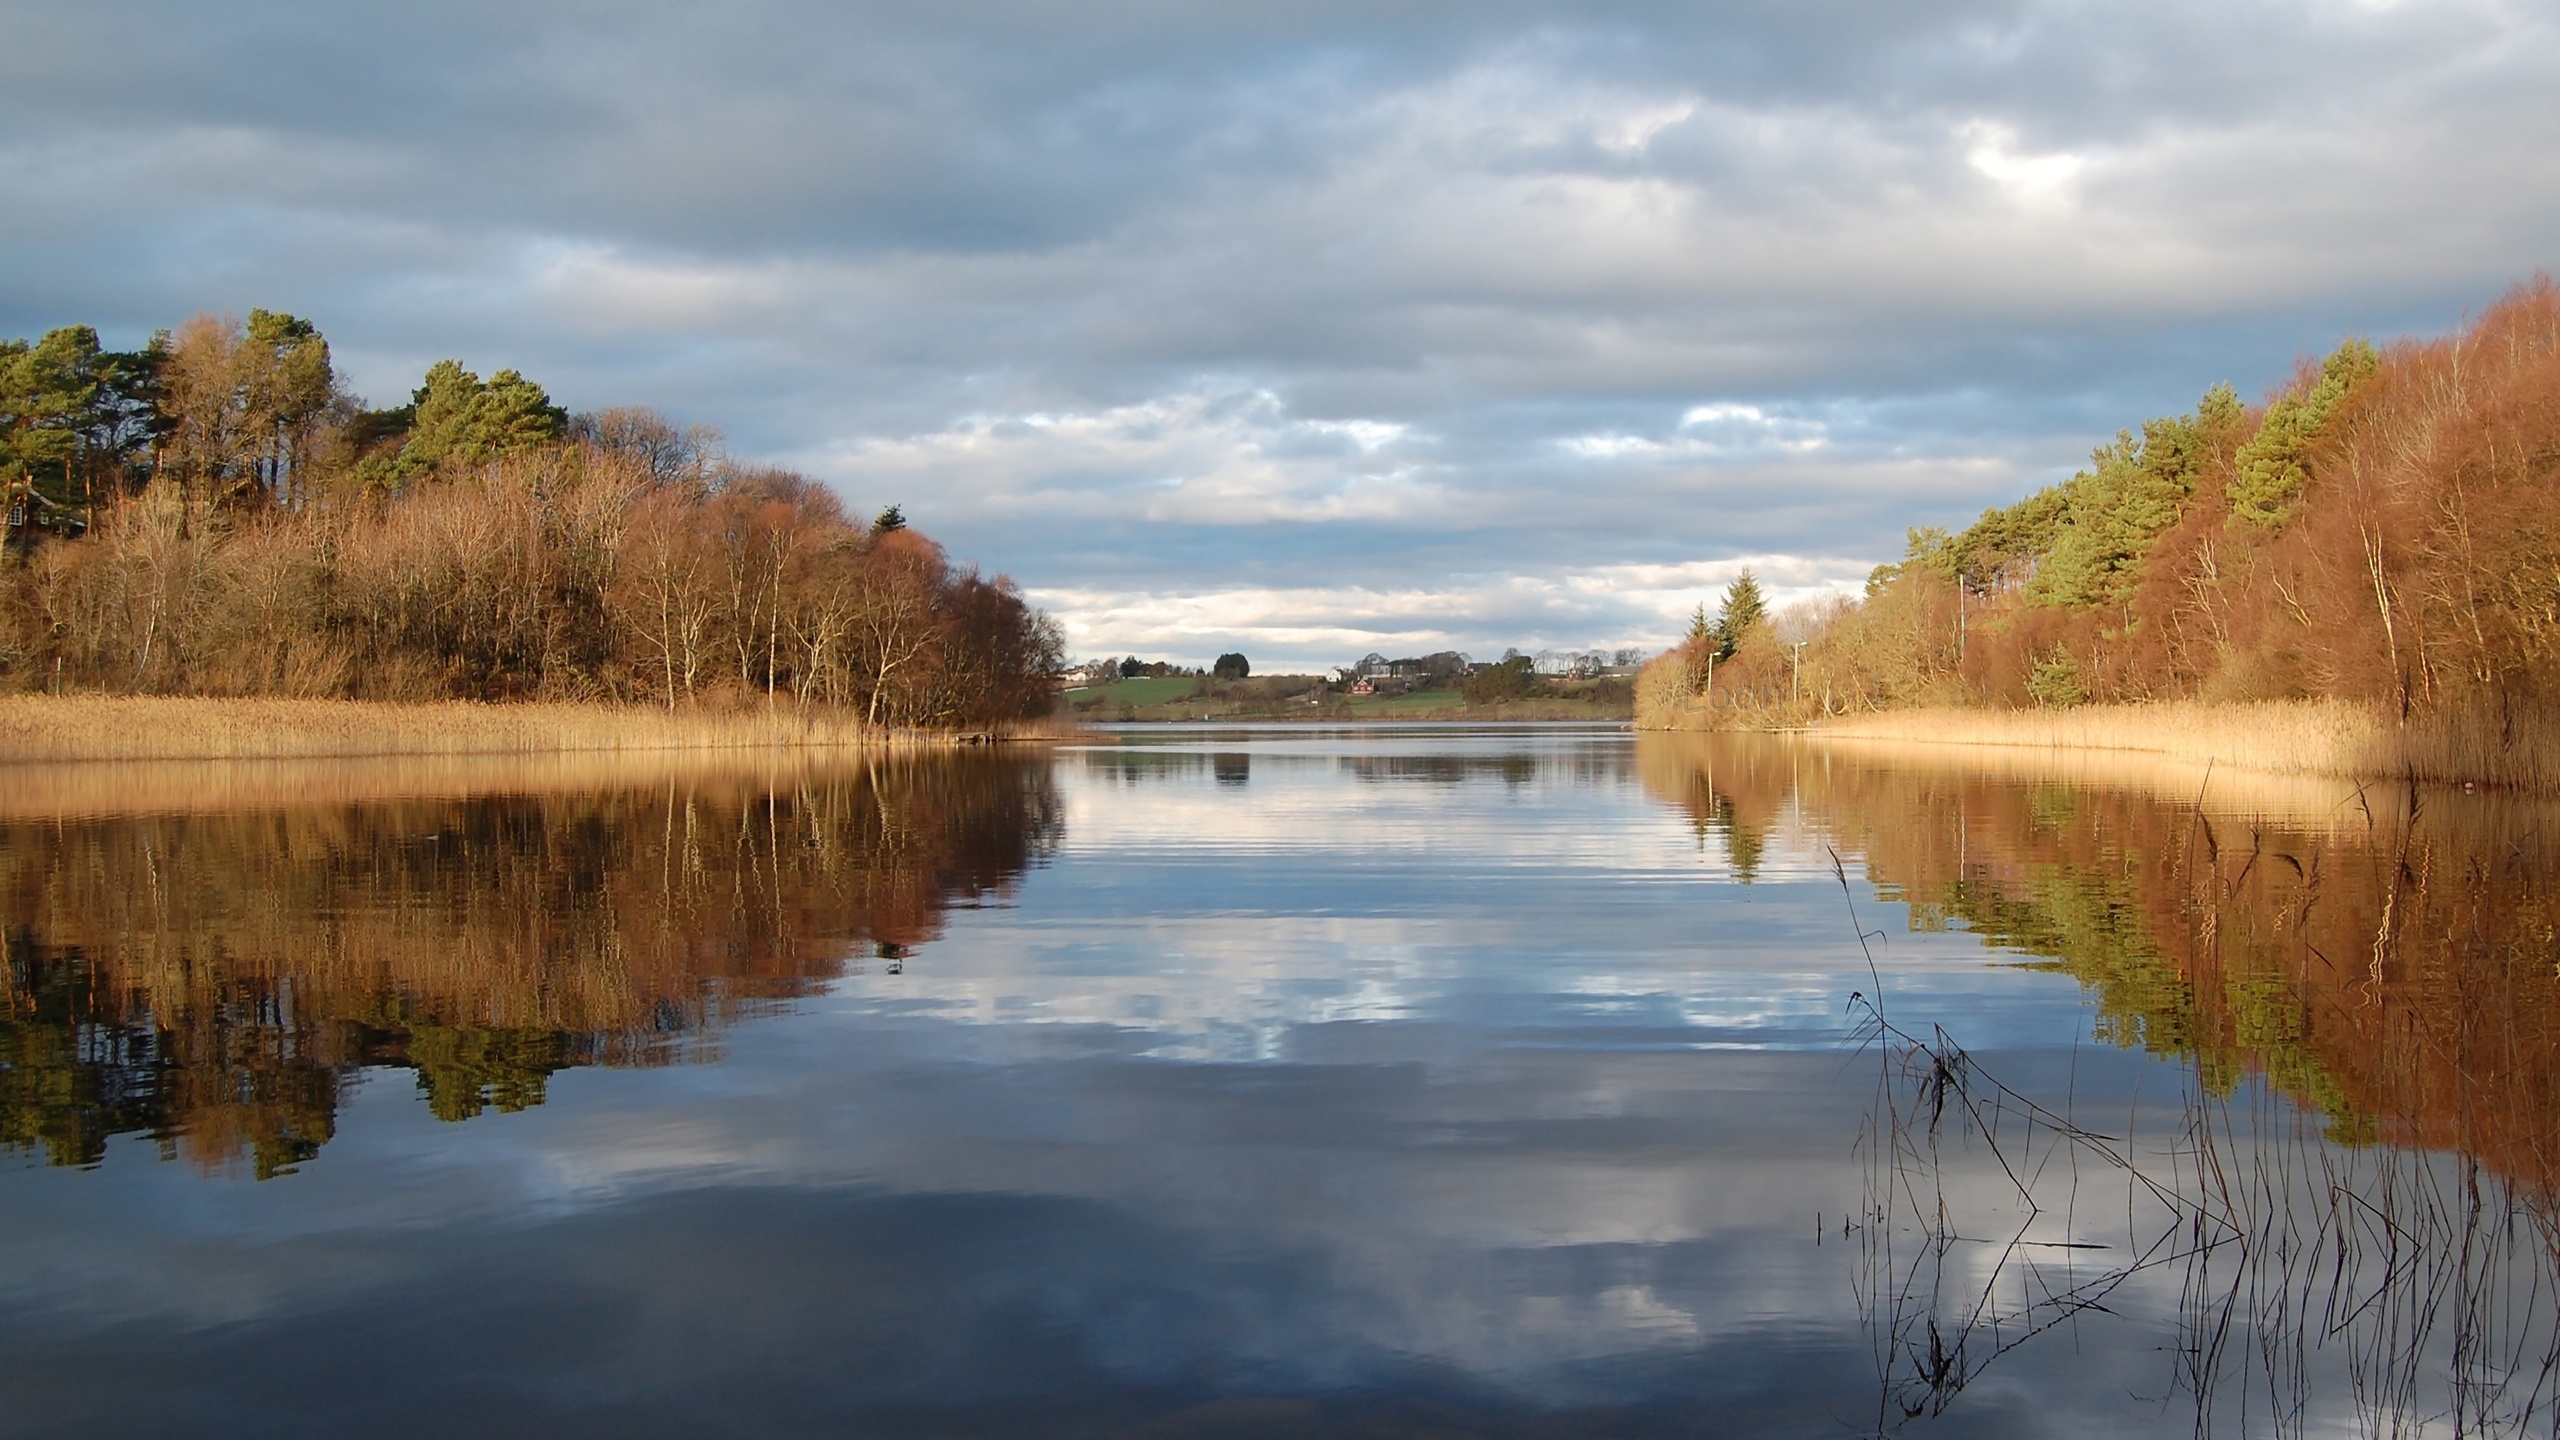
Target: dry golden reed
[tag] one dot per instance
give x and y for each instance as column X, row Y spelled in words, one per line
column 2334, row 738
column 69, row 789
column 1810, row 762
column 84, row 727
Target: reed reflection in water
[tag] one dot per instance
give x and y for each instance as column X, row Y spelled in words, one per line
column 216, row 978
column 2357, row 1185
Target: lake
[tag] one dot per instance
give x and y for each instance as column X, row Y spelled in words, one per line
column 1530, row 1081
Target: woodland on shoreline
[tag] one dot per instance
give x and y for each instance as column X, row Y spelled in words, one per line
column 214, row 515
column 2380, row 531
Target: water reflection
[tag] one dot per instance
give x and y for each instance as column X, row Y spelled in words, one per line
column 2385, row 956
column 1223, row 1081
column 215, row 979
column 2382, row 961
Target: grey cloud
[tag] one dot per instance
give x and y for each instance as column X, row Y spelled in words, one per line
column 1997, row 230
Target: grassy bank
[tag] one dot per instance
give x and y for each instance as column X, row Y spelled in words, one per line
column 2335, row 738
column 76, row 789
column 55, row 728
column 1724, row 760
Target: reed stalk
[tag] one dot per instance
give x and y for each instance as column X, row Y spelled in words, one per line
column 2333, row 738
column 73, row 728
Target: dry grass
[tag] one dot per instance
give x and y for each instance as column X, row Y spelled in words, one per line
column 2314, row 803
column 80, row 727
column 2332, row 738
column 89, row 788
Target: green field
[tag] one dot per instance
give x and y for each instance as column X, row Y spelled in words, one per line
column 1134, row 693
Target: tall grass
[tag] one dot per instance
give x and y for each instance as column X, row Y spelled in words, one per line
column 1672, row 766
column 2337, row 738
column 95, row 788
column 58, row 728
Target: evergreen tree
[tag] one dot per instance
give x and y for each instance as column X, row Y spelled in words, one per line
column 287, row 385
column 44, row 390
column 2268, row 471
column 75, row 418
column 458, row 417
column 126, row 419
column 2102, row 522
column 1744, row 607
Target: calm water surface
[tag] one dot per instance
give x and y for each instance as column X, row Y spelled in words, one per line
column 1521, row 1081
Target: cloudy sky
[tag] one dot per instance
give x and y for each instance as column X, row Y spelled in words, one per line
column 1317, row 328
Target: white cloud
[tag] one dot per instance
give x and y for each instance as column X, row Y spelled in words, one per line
column 2038, row 181
column 1369, row 435
column 1173, row 305
column 1218, row 456
column 1609, row 447
column 1334, row 620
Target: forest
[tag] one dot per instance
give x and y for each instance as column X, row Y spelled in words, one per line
column 2381, row 530
column 214, row 514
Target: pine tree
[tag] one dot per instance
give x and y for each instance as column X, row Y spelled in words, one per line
column 462, row 418
column 2268, row 471
column 1744, row 607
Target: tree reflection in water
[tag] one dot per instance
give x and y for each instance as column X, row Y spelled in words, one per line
column 216, row 980
column 2358, row 1181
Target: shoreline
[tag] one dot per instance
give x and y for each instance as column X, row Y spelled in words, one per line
column 2326, row 739
column 83, row 729
column 2314, row 803
column 95, row 788
column 1421, row 717
column 1533, row 712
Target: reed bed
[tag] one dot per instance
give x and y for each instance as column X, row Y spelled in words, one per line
column 1671, row 765
column 2333, row 738
column 78, row 788
column 53, row 728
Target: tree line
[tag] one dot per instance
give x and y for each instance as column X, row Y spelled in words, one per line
column 2380, row 529
column 215, row 514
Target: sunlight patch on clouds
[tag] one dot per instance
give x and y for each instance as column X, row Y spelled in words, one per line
column 1706, row 432
column 2033, row 181
column 1608, row 447
column 1636, row 131
column 1369, row 435
column 1732, row 426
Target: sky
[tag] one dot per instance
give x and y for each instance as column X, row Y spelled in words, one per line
column 1314, row 329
